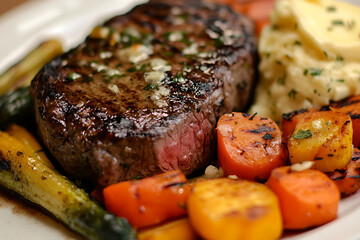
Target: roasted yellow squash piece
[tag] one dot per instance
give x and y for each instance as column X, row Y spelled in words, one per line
column 324, row 137
column 234, row 209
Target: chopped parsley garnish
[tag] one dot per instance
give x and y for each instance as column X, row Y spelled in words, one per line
column 315, row 71
column 74, row 76
column 169, row 54
column 337, row 22
column 292, row 93
column 281, row 80
column 302, row 134
column 137, row 68
column 331, row 9
column 131, row 69
column 88, row 79
column 143, row 67
column 339, row 58
column 325, row 53
column 151, row 86
column 297, row 43
column 306, row 71
column 340, row 80
column 167, row 35
column 218, row 43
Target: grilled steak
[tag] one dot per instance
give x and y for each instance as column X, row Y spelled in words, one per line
column 143, row 93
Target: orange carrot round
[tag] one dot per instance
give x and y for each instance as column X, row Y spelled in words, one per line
column 148, row 201
column 249, row 146
column 307, row 198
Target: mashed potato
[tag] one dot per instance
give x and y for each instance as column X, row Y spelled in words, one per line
column 310, row 55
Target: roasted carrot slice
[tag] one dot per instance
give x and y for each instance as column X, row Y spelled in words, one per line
column 348, row 180
column 307, row 198
column 249, row 146
column 324, row 137
column 150, row 200
column 351, row 106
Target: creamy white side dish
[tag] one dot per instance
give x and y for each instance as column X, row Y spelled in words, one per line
column 310, row 55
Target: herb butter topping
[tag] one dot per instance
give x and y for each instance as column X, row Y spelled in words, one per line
column 309, row 56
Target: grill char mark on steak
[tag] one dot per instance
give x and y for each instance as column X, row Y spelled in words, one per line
column 104, row 121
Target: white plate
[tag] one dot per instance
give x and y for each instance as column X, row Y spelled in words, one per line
column 70, row 21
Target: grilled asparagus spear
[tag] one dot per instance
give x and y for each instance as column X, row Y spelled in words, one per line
column 21, row 171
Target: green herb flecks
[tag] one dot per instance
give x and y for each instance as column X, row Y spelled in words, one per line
column 331, row 9
column 315, row 71
column 151, row 86
column 339, row 58
column 325, row 53
column 88, row 79
column 73, row 76
column 292, row 93
column 337, row 22
column 131, row 69
column 297, row 43
column 281, row 80
column 302, row 134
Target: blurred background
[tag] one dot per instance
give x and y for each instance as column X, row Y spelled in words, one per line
column 6, row 5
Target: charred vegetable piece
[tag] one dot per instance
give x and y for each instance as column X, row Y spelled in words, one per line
column 307, row 198
column 24, row 173
column 150, row 200
column 324, row 137
column 17, row 107
column 249, row 146
column 352, row 107
column 348, row 180
column 234, row 209
column 22, row 73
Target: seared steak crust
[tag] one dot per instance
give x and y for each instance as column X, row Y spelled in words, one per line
column 143, row 93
